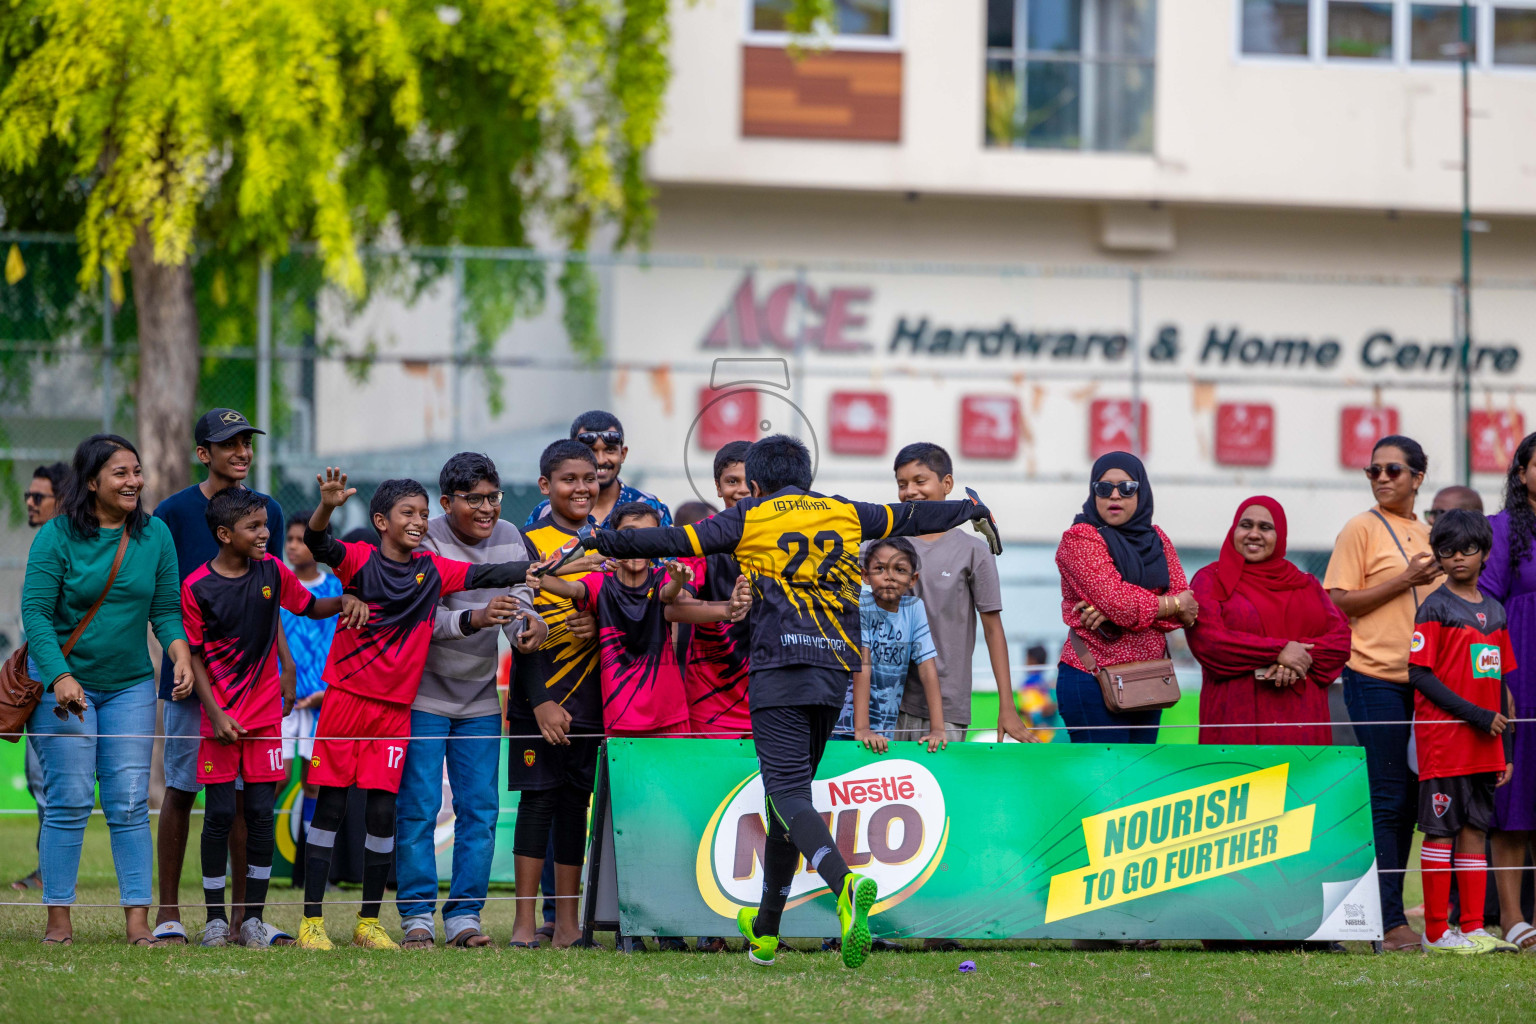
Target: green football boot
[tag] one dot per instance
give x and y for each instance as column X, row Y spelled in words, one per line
column 853, row 905
column 760, row 948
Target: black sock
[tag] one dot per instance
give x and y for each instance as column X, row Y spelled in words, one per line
column 330, row 809
column 378, row 849
column 814, row 841
column 780, row 858
column 218, row 818
column 260, row 843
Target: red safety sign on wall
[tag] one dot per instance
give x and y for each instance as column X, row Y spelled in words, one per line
column 1109, row 427
column 989, row 426
column 1360, row 427
column 1495, row 436
column 861, row 422
column 725, row 416
column 1245, row 434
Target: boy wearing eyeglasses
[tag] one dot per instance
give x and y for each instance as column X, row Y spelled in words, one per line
column 602, row 433
column 456, row 716
column 1457, row 658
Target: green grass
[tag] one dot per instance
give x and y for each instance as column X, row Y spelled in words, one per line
column 102, row 980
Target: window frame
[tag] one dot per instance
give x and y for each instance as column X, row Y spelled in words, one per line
column 877, row 44
column 1086, row 57
column 1402, row 42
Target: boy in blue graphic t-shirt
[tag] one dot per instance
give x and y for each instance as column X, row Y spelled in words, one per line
column 894, row 634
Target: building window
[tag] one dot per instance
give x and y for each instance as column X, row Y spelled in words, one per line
column 1514, row 36
column 1400, row 32
column 1070, row 74
column 1359, row 31
column 870, row 21
column 1278, row 27
column 1435, row 32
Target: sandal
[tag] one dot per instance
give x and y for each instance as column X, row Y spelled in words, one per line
column 466, row 939
column 32, row 881
column 68, row 940
column 148, row 941
column 418, row 938
column 514, row 944
column 1522, row 935
column 172, row 932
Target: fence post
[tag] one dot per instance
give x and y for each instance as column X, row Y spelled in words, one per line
column 264, row 373
column 1136, row 439
column 108, row 384
column 457, row 382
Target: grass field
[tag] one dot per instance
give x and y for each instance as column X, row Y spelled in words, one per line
column 100, row 979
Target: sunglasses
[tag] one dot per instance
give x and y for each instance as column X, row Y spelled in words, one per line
column 1432, row 515
column 1392, row 469
column 37, row 497
column 1105, row 489
column 611, row 438
column 63, row 711
column 477, row 500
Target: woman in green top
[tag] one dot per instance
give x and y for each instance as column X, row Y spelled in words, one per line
column 108, row 671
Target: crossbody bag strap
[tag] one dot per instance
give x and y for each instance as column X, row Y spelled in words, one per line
column 1400, row 550
column 117, row 563
column 1082, row 652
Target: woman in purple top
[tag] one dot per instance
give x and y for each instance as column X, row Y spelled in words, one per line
column 1509, row 577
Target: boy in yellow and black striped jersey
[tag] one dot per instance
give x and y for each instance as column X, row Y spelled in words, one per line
column 557, row 692
column 800, row 551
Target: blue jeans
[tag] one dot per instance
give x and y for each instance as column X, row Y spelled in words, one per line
column 183, row 738
column 1082, row 704
column 472, row 767
column 1394, row 788
column 72, row 767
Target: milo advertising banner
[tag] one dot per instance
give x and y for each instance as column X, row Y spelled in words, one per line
column 989, row 841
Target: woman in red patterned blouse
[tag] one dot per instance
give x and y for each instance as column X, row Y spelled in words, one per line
column 1122, row 589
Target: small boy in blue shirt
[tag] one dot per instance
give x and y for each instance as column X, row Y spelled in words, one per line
column 894, row 634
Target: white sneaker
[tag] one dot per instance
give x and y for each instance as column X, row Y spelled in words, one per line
column 215, row 933
column 255, row 934
column 1493, row 942
column 1455, row 942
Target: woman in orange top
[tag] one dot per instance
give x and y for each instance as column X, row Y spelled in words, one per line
column 1381, row 569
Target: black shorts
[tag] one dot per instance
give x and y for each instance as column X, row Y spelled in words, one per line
column 1448, row 805
column 534, row 764
column 790, row 742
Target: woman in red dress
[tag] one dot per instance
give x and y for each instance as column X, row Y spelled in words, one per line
column 1269, row 638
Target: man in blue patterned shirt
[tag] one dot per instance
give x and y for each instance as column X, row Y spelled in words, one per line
column 602, row 432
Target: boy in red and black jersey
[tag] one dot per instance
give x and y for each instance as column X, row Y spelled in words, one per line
column 1457, row 659
column 229, row 606
column 371, row 677
column 715, row 673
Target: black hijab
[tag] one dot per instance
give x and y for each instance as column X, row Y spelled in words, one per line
column 1134, row 545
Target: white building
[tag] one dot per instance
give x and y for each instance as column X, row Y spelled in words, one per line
column 1283, row 174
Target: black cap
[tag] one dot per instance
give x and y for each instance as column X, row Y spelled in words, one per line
column 222, row 424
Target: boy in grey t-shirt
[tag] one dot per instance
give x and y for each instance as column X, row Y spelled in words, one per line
column 959, row 580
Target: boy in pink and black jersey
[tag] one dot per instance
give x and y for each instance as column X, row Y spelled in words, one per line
column 229, row 606
column 716, row 668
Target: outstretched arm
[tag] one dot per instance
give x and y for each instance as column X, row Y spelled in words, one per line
column 334, row 493
column 719, row 533
column 919, row 517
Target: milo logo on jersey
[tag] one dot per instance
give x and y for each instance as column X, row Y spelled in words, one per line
column 1180, row 839
column 1486, row 663
column 888, row 820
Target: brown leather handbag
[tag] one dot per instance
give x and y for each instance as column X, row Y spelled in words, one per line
column 1133, row 686
column 19, row 692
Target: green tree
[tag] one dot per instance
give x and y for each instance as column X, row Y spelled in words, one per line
column 246, row 125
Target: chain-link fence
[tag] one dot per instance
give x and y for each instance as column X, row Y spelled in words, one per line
column 1230, row 383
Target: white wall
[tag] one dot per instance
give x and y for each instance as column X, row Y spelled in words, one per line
column 1228, row 129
